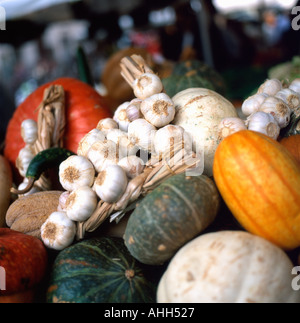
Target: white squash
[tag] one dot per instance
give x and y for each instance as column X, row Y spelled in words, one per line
column 228, row 267
column 199, row 111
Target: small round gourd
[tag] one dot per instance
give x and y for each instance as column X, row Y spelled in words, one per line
column 169, row 216
column 228, row 267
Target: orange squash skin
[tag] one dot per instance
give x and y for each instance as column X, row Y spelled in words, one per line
column 259, row 181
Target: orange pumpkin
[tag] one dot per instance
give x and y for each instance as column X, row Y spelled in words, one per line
column 84, row 108
column 259, row 181
column 292, row 143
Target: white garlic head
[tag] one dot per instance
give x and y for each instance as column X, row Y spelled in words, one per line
column 229, row 126
column 270, row 87
column 104, row 125
column 158, row 109
column 58, row 231
column 111, row 183
column 103, row 153
column 133, row 109
column 295, row 85
column 264, row 123
column 141, row 134
column 86, row 141
column 290, row 97
column 120, row 116
column 81, row 203
column 146, row 85
column 124, row 145
column 278, row 108
column 29, row 131
column 25, row 156
column 76, row 171
column 133, row 165
column 252, row 103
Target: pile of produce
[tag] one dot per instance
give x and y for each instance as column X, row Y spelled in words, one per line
column 207, row 202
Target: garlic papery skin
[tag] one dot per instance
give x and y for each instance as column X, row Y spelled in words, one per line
column 62, row 200
column 25, row 156
column 81, row 203
column 158, row 109
column 270, row 87
column 76, row 171
column 146, row 85
column 141, row 133
column 104, row 125
column 133, row 165
column 103, row 153
column 133, row 109
column 295, row 85
column 120, row 116
column 229, row 126
column 264, row 123
column 29, row 131
column 111, row 183
column 278, row 108
column 252, row 103
column 290, row 97
column 58, row 231
column 86, row 142
column 171, row 138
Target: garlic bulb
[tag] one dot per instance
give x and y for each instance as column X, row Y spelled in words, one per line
column 62, row 200
column 103, row 153
column 120, row 116
column 170, row 138
column 29, row 131
column 141, row 133
column 278, row 108
column 104, row 125
column 58, row 231
column 252, row 103
column 76, row 171
column 132, row 165
column 295, row 85
column 86, row 141
column 133, row 109
column 229, row 126
column 270, row 87
column 125, row 147
column 81, row 203
column 158, row 109
column 264, row 123
column 290, row 97
column 146, row 85
column 111, row 183
column 25, row 156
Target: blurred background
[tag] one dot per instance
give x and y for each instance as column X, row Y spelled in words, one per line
column 241, row 40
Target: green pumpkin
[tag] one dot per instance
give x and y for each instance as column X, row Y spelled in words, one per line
column 193, row 73
column 172, row 214
column 99, row 270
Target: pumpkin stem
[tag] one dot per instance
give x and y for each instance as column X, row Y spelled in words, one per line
column 29, row 186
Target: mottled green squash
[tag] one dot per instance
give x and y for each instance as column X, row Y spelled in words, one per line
column 190, row 74
column 99, row 270
column 172, row 214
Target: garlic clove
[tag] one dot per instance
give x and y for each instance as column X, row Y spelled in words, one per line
column 81, row 203
column 229, row 126
column 278, row 108
column 132, row 165
column 62, row 200
column 58, row 231
column 103, row 153
column 25, row 156
column 29, row 131
column 120, row 116
column 158, row 109
column 111, row 183
column 141, row 134
column 264, row 123
column 252, row 103
column 76, row 171
column 87, row 140
column 270, row 87
column 295, row 85
column 104, row 125
column 290, row 97
column 146, row 85
column 133, row 109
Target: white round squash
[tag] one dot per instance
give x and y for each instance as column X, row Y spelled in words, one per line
column 228, row 267
column 199, row 111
